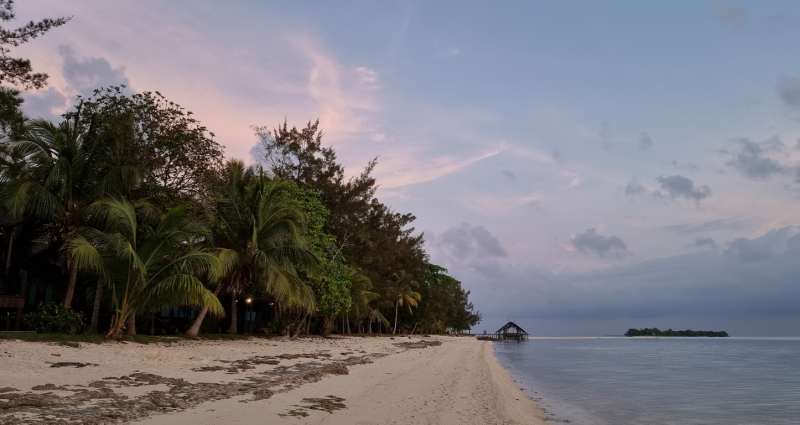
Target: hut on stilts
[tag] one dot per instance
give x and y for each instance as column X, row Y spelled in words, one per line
column 511, row 331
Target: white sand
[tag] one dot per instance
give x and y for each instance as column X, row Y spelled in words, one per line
column 459, row 382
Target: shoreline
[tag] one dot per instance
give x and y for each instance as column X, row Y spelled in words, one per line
column 438, row 380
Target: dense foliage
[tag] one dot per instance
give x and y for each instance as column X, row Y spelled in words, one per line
column 670, row 332
column 127, row 207
column 54, row 318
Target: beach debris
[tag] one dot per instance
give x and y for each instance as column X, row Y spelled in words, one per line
column 420, row 344
column 326, row 404
column 49, row 387
column 263, row 394
column 97, row 403
column 297, row 413
column 72, row 364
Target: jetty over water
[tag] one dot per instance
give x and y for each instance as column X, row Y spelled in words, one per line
column 511, row 331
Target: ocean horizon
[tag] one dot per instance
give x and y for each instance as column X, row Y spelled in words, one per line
column 658, row 380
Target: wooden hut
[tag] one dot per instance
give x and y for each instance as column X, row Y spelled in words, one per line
column 511, row 331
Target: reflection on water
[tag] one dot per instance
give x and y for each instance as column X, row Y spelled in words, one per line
column 620, row 381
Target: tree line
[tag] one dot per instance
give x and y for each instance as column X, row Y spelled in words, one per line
column 670, row 332
column 127, row 208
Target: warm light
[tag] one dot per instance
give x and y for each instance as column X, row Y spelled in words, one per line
column 249, row 300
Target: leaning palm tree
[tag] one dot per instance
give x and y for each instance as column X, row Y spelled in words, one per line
column 149, row 261
column 402, row 292
column 260, row 241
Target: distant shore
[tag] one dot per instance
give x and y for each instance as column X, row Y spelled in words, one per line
column 442, row 380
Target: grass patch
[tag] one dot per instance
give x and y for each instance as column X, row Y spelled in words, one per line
column 75, row 340
column 59, row 338
column 230, row 337
column 70, row 340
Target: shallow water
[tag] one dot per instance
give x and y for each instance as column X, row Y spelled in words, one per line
column 619, row 381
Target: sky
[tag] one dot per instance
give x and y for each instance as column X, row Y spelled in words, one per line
column 582, row 167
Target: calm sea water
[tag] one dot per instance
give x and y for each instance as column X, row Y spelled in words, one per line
column 620, row 381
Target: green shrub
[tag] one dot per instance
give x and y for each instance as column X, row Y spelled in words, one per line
column 54, row 318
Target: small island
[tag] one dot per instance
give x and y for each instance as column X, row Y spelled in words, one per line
column 670, row 332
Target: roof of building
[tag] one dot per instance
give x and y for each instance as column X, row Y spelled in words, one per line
column 510, row 325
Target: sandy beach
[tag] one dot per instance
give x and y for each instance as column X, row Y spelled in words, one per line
column 438, row 380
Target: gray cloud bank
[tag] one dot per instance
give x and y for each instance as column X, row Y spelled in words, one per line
column 749, row 281
column 82, row 75
column 682, row 187
column 604, row 246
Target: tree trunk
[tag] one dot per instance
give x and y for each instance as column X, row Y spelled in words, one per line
column 396, row 307
column 195, row 328
column 308, row 325
column 327, row 324
column 8, row 254
column 130, row 329
column 233, row 329
column 73, row 277
column 299, row 327
column 347, row 320
column 415, row 328
column 98, row 300
column 118, row 320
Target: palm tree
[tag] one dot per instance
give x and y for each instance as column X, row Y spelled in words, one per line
column 361, row 297
column 149, row 261
column 260, row 240
column 402, row 292
column 53, row 180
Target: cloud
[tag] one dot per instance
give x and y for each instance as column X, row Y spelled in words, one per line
column 82, row 76
column 411, row 169
column 745, row 250
column 645, row 142
column 633, row 188
column 750, row 158
column 447, row 52
column 558, row 156
column 731, row 223
column 788, row 89
column 604, row 246
column 48, row 104
column 690, row 167
column 605, row 135
column 468, row 241
column 730, row 15
column 703, row 242
column 728, row 288
column 85, row 74
column 679, row 186
column 368, row 77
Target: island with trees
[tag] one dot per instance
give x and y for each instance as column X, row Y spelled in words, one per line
column 670, row 332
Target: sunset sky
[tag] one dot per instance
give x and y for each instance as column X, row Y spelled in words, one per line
column 582, row 167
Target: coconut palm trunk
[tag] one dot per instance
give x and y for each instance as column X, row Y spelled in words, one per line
column 73, row 277
column 194, row 330
column 130, row 328
column 10, row 247
column 396, row 308
column 233, row 329
column 98, row 300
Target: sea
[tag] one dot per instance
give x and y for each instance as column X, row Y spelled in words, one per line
column 635, row 381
